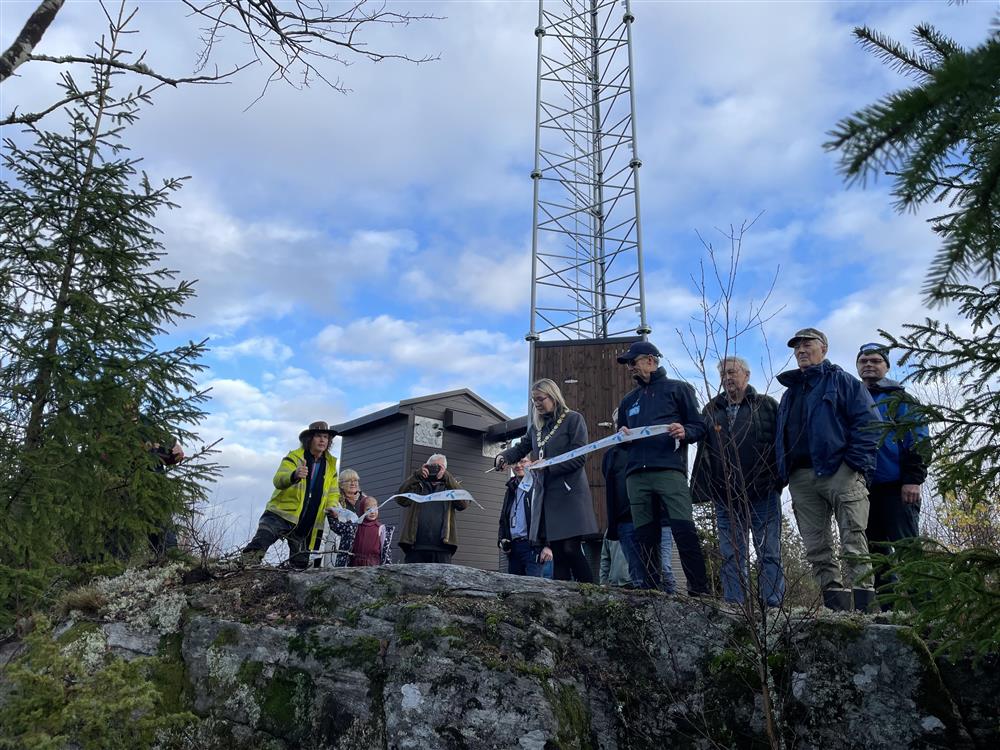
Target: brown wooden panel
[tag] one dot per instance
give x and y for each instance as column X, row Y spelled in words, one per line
column 601, row 384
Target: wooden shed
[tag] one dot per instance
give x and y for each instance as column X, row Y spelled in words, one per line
column 387, row 446
column 593, row 383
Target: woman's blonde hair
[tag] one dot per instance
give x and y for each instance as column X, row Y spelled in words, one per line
column 550, row 389
column 347, row 474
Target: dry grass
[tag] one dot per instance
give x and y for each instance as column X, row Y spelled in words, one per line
column 86, row 599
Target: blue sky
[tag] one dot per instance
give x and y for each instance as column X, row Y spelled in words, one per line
column 353, row 250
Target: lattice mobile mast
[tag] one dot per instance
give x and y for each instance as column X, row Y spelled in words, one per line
column 586, row 239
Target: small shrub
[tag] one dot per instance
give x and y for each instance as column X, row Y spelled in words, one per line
column 56, row 700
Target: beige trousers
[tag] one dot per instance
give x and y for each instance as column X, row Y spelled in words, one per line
column 844, row 496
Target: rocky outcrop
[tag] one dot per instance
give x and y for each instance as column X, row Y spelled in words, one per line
column 436, row 656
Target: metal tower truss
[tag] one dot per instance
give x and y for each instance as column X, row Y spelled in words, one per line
column 586, row 241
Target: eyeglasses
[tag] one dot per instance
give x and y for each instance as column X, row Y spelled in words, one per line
column 350, row 481
column 540, row 399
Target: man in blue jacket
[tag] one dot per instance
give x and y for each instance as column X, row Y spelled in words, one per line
column 825, row 445
column 656, row 473
column 900, row 468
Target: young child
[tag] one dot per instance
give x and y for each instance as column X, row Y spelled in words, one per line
column 368, row 540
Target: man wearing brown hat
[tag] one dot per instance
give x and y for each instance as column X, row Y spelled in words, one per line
column 827, row 434
column 305, row 485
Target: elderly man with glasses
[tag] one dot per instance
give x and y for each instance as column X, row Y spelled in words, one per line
column 656, row 473
column 900, row 466
column 430, row 534
column 825, row 448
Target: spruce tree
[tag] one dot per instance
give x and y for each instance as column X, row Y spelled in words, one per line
column 85, row 301
column 939, row 142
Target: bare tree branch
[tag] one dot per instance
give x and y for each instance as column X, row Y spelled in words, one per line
column 140, row 68
column 293, row 39
column 296, row 38
column 32, row 33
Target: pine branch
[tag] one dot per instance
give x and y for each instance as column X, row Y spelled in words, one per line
column 892, row 53
column 934, row 43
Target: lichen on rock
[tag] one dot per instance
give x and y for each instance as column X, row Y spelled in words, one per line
column 439, row 656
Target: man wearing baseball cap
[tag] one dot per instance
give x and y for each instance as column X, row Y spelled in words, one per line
column 900, row 468
column 305, row 485
column 656, row 473
column 825, row 446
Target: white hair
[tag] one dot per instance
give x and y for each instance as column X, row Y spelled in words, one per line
column 737, row 360
column 441, row 460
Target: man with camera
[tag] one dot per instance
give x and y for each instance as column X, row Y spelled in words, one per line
column 429, row 533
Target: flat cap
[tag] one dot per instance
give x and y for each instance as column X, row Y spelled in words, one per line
column 808, row 333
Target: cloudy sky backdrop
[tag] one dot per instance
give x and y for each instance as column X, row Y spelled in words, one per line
column 354, row 250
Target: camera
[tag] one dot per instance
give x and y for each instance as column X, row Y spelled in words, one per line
column 505, row 545
column 433, row 470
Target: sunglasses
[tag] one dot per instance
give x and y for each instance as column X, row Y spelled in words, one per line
column 631, row 362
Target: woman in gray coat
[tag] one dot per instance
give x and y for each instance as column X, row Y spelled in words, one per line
column 562, row 510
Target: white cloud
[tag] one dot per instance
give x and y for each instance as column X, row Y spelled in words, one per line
column 267, row 348
column 497, row 279
column 264, row 270
column 421, row 353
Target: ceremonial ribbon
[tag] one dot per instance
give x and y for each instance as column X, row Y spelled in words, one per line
column 635, row 433
column 437, row 497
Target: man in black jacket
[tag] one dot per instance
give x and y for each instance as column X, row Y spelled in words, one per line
column 657, row 466
column 514, row 534
column 736, row 470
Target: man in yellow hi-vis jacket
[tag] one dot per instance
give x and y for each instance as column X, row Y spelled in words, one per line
column 305, row 486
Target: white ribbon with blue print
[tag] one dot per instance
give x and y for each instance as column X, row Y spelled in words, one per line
column 349, row 516
column 437, row 497
column 635, row 433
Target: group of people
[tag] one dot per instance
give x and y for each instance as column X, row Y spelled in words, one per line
column 825, row 441
column 309, row 498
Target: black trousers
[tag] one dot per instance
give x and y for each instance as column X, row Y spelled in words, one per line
column 273, row 527
column 568, row 561
column 889, row 520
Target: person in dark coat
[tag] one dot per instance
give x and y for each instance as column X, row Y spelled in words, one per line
column 657, row 466
column 825, row 446
column 900, row 465
column 736, row 470
column 514, row 533
column 429, row 531
column 562, row 511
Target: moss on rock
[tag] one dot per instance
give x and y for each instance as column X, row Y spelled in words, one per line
column 572, row 718
column 284, row 702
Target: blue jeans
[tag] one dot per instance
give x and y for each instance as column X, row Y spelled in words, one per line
column 521, row 561
column 763, row 517
column 668, row 583
column 626, row 538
